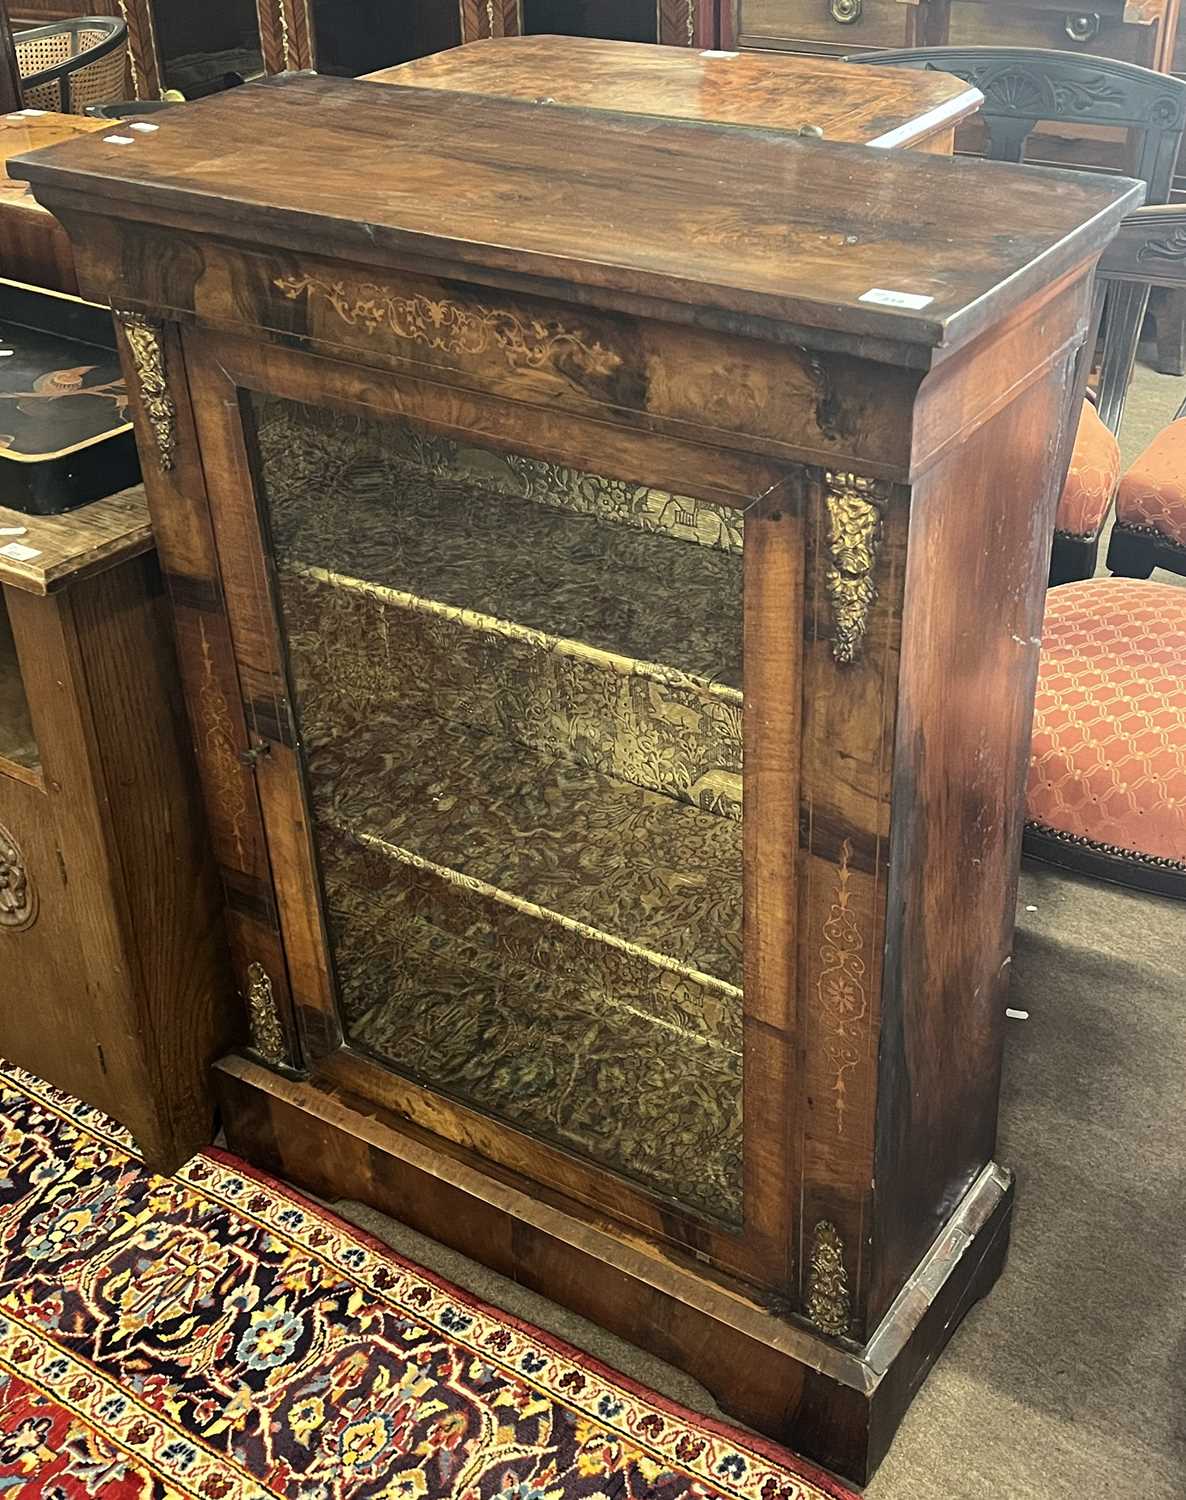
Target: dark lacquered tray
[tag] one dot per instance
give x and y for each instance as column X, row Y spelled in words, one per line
column 65, row 432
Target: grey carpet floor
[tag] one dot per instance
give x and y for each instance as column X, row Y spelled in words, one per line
column 1069, row 1380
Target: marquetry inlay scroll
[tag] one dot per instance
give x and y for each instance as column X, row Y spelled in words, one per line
column 267, row 1034
column 18, row 894
column 840, row 988
column 439, row 323
column 855, row 507
column 144, row 340
column 828, row 1303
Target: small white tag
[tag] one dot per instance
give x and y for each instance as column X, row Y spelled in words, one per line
column 1017, row 1015
column 709, row 53
column 19, row 552
column 120, row 140
column 894, row 299
column 143, row 126
column 14, row 531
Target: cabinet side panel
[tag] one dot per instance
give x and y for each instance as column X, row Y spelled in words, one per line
column 976, row 568
column 67, row 1001
column 171, row 904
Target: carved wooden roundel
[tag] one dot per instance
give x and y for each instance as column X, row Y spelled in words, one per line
column 18, row 896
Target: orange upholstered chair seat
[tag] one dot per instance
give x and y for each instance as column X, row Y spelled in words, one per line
column 1108, row 761
column 1091, row 479
column 1153, row 492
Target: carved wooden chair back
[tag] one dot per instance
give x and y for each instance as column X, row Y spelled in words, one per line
column 1024, row 87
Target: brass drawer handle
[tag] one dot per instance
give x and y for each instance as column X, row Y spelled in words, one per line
column 1082, row 28
column 845, row 12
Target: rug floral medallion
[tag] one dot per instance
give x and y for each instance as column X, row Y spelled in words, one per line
column 213, row 1335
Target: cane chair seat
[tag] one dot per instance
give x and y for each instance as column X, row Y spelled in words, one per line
column 1107, row 778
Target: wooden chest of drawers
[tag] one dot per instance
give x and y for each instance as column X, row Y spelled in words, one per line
column 608, row 608
column 1140, row 33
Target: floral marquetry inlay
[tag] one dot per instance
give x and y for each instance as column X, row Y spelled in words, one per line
column 451, row 327
column 843, row 998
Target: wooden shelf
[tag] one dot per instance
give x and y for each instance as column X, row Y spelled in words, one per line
column 461, row 540
column 548, row 1052
column 613, row 863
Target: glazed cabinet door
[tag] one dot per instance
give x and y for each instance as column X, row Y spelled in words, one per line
column 500, row 673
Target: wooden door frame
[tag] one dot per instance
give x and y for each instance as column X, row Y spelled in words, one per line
column 221, row 367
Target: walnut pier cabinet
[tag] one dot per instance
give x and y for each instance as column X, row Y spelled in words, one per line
column 608, row 587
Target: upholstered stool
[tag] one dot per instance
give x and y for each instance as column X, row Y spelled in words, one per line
column 1086, row 499
column 1107, row 778
column 1150, row 529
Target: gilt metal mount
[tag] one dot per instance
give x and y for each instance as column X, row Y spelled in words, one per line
column 855, row 507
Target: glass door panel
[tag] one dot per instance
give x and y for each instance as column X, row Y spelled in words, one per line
column 207, row 47
column 359, row 36
column 616, row 20
column 518, row 695
column 17, row 742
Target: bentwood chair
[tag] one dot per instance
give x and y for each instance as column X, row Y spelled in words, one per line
column 1150, row 529
column 1024, row 87
column 69, row 64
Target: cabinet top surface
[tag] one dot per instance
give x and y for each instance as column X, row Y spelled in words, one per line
column 75, row 543
column 21, row 131
column 727, row 219
column 886, row 107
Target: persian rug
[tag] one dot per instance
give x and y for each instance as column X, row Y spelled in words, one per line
column 215, row 1335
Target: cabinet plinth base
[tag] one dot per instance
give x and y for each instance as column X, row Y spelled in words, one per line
column 838, row 1406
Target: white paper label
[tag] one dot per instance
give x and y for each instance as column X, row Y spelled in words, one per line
column 19, row 552
column 894, row 299
column 142, row 126
column 709, row 53
column 119, row 140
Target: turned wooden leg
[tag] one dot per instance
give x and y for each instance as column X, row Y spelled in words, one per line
column 1129, row 556
column 1072, row 559
column 1169, row 311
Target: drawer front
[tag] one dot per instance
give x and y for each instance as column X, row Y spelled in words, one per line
column 974, row 24
column 847, row 25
